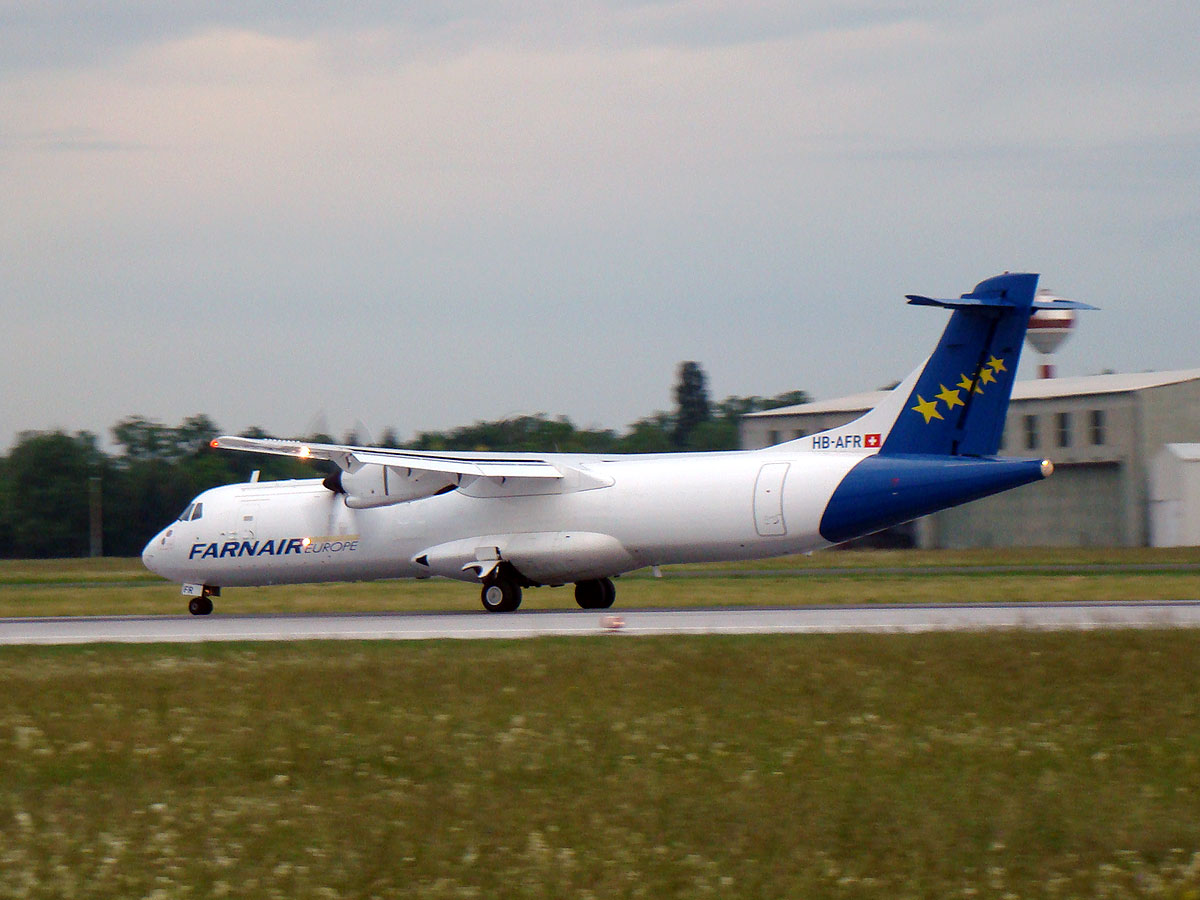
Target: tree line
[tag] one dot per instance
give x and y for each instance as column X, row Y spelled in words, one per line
column 51, row 482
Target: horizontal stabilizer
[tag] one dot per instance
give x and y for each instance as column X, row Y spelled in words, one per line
column 969, row 302
column 1060, row 303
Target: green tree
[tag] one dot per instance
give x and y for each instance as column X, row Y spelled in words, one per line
column 536, row 433
column 195, row 433
column 715, row 434
column 651, row 434
column 692, row 405
column 145, row 496
column 143, row 438
column 6, row 519
column 45, row 493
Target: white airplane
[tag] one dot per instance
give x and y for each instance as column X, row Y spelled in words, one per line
column 511, row 521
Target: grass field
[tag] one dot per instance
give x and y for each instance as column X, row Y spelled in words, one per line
column 993, row 765
column 123, row 586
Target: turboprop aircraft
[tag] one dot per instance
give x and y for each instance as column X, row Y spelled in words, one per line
column 510, row 521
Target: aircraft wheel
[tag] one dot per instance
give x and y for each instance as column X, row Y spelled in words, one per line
column 501, row 594
column 200, row 606
column 595, row 593
column 610, row 592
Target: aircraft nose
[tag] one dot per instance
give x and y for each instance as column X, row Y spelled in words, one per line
column 153, row 554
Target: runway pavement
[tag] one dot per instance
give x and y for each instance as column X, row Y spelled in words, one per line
column 472, row 625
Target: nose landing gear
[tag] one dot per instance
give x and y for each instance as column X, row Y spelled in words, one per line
column 202, row 605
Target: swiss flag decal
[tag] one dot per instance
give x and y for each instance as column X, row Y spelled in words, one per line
column 870, row 440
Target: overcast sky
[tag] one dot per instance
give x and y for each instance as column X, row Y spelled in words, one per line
column 421, row 215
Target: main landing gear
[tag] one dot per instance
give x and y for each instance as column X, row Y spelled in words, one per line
column 596, row 593
column 502, row 591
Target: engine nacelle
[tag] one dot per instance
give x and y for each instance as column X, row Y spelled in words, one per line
column 373, row 486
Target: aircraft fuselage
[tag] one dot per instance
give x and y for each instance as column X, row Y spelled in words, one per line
column 629, row 512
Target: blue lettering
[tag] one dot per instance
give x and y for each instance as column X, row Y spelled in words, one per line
column 267, row 549
column 229, row 548
column 210, row 550
column 196, row 548
column 247, row 548
column 295, row 545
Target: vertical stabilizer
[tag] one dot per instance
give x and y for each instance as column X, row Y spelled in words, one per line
column 955, row 403
column 958, row 405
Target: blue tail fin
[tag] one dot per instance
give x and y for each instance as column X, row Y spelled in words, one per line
column 958, row 404
column 955, row 404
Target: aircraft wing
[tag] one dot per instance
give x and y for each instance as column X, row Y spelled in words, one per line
column 351, row 459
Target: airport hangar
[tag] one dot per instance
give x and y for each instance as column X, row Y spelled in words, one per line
column 1103, row 433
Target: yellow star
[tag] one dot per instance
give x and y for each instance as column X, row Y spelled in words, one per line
column 949, row 397
column 966, row 384
column 986, row 375
column 927, row 408
column 997, row 364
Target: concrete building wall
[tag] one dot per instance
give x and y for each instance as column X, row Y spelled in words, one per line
column 1108, row 458
column 1116, row 443
column 1174, row 488
column 1080, row 506
column 1169, row 414
column 1190, row 496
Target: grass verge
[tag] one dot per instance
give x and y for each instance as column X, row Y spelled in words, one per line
column 1057, row 765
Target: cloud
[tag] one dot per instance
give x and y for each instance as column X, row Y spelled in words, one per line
column 229, row 209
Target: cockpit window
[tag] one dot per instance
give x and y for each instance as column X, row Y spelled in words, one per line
column 198, row 511
column 186, row 515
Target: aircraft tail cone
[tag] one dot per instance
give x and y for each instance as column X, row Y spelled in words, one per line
column 885, row 490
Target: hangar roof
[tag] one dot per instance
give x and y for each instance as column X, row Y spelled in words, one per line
column 1037, row 389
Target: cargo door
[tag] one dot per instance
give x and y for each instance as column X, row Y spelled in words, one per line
column 768, row 500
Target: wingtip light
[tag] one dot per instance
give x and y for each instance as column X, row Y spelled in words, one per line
column 214, row 443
